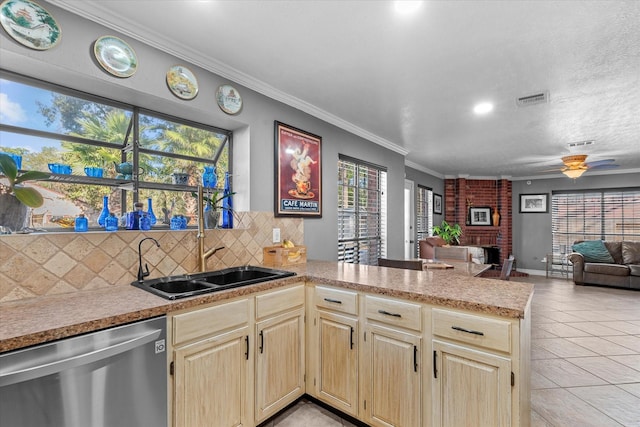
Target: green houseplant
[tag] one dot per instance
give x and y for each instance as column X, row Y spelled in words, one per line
column 213, row 207
column 449, row 233
column 15, row 197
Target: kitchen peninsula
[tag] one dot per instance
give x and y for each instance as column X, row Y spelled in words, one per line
column 435, row 321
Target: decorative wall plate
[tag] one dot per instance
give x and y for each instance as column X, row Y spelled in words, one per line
column 29, row 24
column 229, row 99
column 182, row 82
column 115, row 56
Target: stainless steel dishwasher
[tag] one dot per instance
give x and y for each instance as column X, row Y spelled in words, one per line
column 111, row 378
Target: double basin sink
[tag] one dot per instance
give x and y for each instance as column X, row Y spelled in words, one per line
column 174, row 287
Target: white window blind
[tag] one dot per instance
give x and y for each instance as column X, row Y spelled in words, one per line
column 594, row 215
column 362, row 212
column 424, row 214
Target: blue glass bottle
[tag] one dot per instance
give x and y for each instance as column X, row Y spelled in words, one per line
column 111, row 223
column 81, row 223
column 183, row 222
column 105, row 211
column 227, row 205
column 145, row 222
column 152, row 216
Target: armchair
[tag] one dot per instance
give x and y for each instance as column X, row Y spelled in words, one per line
column 427, row 246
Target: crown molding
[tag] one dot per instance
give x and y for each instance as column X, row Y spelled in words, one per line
column 421, row 168
column 101, row 14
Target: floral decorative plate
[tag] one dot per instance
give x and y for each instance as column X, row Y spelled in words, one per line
column 182, row 82
column 29, row 24
column 115, row 56
column 229, row 99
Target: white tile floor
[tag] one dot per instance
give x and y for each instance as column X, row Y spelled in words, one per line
column 585, row 352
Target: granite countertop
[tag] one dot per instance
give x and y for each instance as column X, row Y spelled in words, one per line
column 36, row 320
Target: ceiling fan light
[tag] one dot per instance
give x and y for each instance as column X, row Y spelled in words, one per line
column 574, row 173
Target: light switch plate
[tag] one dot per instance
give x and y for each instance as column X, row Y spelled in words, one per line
column 276, row 235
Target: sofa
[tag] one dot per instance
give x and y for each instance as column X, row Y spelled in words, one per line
column 606, row 263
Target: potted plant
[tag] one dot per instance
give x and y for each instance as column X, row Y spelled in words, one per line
column 15, row 197
column 213, row 207
column 449, row 233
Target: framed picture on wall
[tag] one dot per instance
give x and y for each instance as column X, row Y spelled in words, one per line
column 480, row 216
column 437, row 204
column 298, row 169
column 534, row 203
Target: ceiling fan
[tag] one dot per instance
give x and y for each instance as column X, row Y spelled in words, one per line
column 575, row 165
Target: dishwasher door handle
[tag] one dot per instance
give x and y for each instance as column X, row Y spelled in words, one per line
column 32, row 372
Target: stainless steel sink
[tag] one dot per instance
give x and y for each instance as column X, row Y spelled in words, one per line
column 174, row 287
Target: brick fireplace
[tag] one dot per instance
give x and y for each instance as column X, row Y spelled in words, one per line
column 462, row 194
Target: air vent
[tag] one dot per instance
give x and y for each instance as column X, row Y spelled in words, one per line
column 538, row 98
column 581, row 143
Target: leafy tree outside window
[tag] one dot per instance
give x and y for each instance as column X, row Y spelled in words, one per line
column 48, row 124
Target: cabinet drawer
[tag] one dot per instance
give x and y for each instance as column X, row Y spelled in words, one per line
column 481, row 331
column 393, row 312
column 278, row 301
column 336, row 299
column 209, row 321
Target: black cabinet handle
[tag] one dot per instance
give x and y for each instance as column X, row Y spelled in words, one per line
column 246, row 339
column 389, row 314
column 351, row 338
column 469, row 331
column 336, row 301
column 261, row 342
column 435, row 368
column 415, row 358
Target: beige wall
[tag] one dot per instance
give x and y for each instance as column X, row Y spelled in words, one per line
column 44, row 264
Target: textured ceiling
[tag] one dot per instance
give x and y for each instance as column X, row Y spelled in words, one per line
column 410, row 82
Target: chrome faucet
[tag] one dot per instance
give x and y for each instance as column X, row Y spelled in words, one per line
column 203, row 255
column 142, row 274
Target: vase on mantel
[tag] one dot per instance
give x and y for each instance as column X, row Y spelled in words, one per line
column 496, row 218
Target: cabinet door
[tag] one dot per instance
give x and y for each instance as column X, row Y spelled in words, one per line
column 336, row 374
column 279, row 362
column 470, row 387
column 391, row 377
column 211, row 381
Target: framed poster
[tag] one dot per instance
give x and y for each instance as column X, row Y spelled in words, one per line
column 534, row 203
column 437, row 204
column 480, row 216
column 298, row 169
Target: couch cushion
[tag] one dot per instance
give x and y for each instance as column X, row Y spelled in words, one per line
column 615, row 249
column 631, row 252
column 635, row 270
column 610, row 269
column 593, row 251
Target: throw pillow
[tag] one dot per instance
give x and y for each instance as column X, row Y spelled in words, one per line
column 615, row 249
column 593, row 251
column 631, row 252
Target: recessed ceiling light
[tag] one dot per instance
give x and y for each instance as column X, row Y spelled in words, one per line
column 483, row 108
column 407, row 6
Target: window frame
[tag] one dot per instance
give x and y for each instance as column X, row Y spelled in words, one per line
column 129, row 188
column 359, row 243
column 578, row 222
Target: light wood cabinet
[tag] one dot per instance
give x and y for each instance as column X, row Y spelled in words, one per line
column 334, row 344
column 480, row 370
column 392, row 374
column 470, row 387
column 385, row 361
column 280, row 352
column 211, row 382
column 212, row 366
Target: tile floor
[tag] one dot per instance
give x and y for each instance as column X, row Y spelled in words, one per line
column 585, row 360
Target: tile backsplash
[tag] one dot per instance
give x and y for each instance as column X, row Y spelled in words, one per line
column 41, row 264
